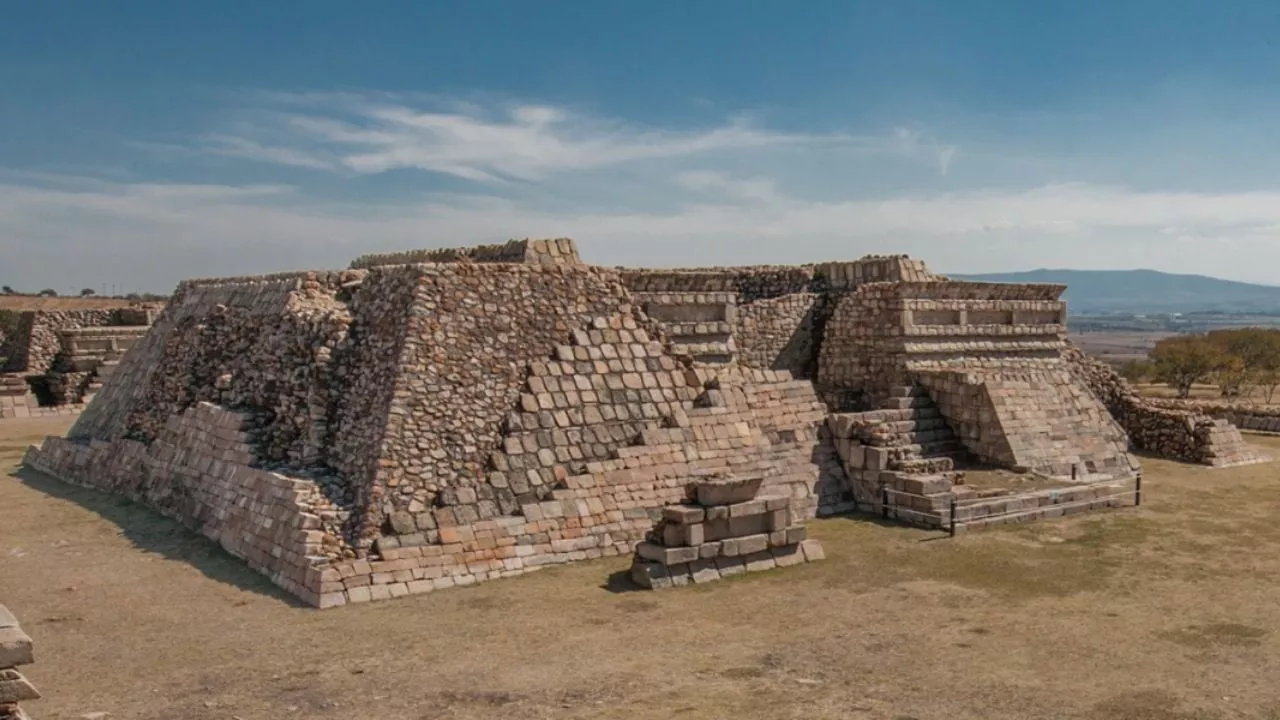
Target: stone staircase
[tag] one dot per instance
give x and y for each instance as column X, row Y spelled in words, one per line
column 700, row 325
column 908, row 435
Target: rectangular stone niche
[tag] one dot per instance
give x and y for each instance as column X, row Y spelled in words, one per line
column 698, row 543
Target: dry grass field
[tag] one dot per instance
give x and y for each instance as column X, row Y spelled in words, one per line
column 1164, row 612
column 22, row 303
column 1118, row 347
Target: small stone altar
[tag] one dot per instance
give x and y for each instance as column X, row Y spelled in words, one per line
column 15, row 650
column 724, row 530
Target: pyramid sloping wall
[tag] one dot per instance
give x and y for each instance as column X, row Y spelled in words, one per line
column 1040, row 421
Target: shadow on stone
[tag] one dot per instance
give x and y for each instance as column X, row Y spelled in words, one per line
column 155, row 533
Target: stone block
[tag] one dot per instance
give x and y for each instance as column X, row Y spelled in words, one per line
column 753, row 544
column 749, row 525
column 728, row 491
column 703, row 571
column 15, row 647
column 762, row 560
column 665, row 555
column 748, row 509
column 812, row 550
column 650, row 575
column 777, row 520
column 787, row 555
column 14, row 688
column 683, row 514
column 729, row 566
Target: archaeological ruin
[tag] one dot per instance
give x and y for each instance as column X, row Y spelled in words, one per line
column 58, row 359
column 436, row 418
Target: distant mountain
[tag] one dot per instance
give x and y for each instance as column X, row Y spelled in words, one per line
column 1146, row 291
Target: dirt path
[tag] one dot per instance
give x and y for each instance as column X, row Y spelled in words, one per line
column 1168, row 612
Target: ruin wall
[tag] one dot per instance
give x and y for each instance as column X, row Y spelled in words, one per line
column 881, row 333
column 36, row 345
column 1244, row 415
column 560, row 251
column 197, row 472
column 1179, row 434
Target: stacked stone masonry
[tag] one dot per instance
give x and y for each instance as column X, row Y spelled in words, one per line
column 442, row 418
column 59, row 359
column 1174, row 430
column 16, row 650
column 561, row 251
column 724, row 530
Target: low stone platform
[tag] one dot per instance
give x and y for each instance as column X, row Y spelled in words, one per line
column 725, row 531
column 15, row 651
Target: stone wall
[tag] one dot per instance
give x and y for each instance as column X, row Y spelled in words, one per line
column 471, row 333
column 560, row 251
column 196, row 470
column 1243, row 415
column 33, row 351
column 1179, row 434
column 779, row 333
column 881, row 333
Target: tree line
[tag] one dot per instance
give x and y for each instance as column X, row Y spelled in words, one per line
column 1238, row 361
column 86, row 292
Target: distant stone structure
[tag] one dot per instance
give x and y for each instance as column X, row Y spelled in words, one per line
column 15, row 651
column 58, row 359
column 437, row 418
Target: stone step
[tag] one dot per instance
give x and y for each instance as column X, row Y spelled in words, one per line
column 937, row 448
column 843, row 424
column 924, row 466
column 703, row 347
column 917, row 425
column 921, row 438
column 696, row 329
column 907, row 403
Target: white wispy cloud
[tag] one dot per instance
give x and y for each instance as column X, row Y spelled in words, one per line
column 736, row 192
column 375, row 133
column 203, row 230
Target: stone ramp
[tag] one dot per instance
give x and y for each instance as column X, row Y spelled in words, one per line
column 1039, row 421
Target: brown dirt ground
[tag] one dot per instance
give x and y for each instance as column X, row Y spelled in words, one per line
column 1164, row 612
column 31, row 302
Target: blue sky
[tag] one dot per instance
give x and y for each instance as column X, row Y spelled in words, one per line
column 144, row 142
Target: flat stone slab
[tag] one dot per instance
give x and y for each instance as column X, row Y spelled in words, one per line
column 14, row 688
column 15, row 648
column 653, row 575
column 728, row 491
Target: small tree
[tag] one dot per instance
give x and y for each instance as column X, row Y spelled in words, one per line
column 87, row 292
column 1185, row 360
column 1137, row 371
column 48, row 292
column 8, row 290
